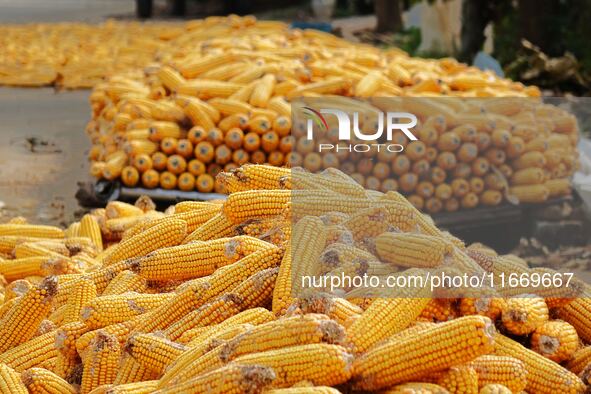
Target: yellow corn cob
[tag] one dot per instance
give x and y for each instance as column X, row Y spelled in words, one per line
column 152, row 351
column 197, row 259
column 385, row 317
column 21, row 322
column 82, row 294
column 10, row 381
column 216, row 227
column 253, row 292
column 262, row 91
column 338, row 309
column 279, row 105
column 89, row 227
column 166, row 110
column 578, row 313
column 242, row 206
column 331, row 179
column 371, row 222
column 132, row 148
column 543, row 375
column 529, row 159
column 198, row 66
column 319, row 202
column 460, row 379
column 16, row 289
column 232, row 379
column 425, row 225
column 254, row 177
column 308, row 242
column 523, row 314
column 341, row 235
column 556, row 340
column 579, row 360
column 253, row 316
column 206, row 89
column 558, row 187
column 21, row 268
column 170, row 78
column 197, row 217
column 113, row 309
column 213, row 312
column 224, row 72
column 135, row 225
column 124, row 282
column 31, row 230
column 142, row 387
column 66, row 337
column 416, row 388
column 327, row 87
column 73, row 230
column 438, row 310
column 32, row 353
column 101, row 278
column 39, row 380
column 198, row 364
column 323, row 365
column 118, row 209
column 100, row 362
column 66, row 366
column 369, row 84
column 484, row 305
column 528, row 176
column 495, row 389
column 292, row 331
column 167, row 233
column 131, row 371
column 49, row 364
column 193, row 333
column 35, row 249
column 504, row 370
column 340, row 254
column 45, row 327
column 433, row 349
column 412, row 250
column 190, row 298
column 197, row 114
column 210, row 340
column 230, row 106
column 199, row 349
column 244, row 93
column 283, row 285
column 9, row 242
column 163, row 129
column 187, row 206
column 305, row 390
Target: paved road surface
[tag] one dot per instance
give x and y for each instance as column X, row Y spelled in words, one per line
column 41, row 184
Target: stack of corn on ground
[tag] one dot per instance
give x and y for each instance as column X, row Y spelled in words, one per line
column 77, row 55
column 199, row 300
column 221, row 98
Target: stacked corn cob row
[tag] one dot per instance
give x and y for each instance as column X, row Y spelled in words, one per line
column 200, row 300
column 76, row 55
column 221, row 99
column 469, row 152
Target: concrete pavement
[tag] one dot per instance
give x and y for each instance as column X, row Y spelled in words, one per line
column 42, row 140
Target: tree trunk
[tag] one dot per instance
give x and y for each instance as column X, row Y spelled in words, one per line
column 538, row 25
column 476, row 15
column 389, row 15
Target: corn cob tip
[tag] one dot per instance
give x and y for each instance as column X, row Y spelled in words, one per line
column 27, row 378
column 49, row 285
column 259, row 376
column 332, row 332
